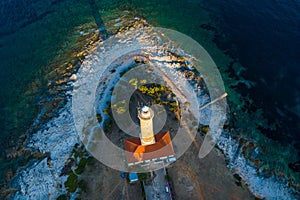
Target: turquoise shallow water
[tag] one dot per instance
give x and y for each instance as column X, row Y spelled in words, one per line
column 34, row 33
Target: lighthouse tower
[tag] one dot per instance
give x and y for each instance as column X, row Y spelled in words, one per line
column 148, row 147
column 146, row 120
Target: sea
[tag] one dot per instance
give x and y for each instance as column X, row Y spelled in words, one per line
column 255, row 45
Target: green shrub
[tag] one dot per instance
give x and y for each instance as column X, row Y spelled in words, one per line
column 72, row 182
column 81, row 166
column 62, row 197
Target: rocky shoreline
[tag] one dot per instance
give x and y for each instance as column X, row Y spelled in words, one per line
column 52, row 94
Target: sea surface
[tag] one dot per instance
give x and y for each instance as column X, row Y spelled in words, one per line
column 255, row 43
column 266, row 37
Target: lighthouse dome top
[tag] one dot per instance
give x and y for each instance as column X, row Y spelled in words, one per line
column 146, row 112
column 145, row 109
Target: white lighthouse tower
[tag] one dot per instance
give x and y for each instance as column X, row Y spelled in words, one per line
column 146, row 120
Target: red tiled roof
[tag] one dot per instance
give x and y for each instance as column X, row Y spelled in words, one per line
column 135, row 152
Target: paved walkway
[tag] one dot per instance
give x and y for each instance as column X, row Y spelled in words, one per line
column 157, row 190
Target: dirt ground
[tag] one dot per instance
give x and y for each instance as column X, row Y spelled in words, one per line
column 101, row 182
column 207, row 178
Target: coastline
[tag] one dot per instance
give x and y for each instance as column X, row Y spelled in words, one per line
column 236, row 164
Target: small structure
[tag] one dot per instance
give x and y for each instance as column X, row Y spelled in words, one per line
column 148, row 147
column 133, row 177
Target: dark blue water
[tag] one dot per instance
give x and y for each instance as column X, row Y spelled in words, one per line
column 266, row 38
